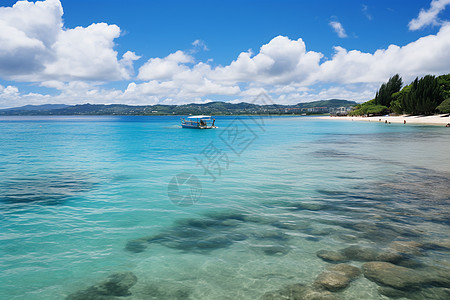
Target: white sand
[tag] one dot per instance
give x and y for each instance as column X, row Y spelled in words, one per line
column 427, row 120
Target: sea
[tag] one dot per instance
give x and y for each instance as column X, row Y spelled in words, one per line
column 243, row 211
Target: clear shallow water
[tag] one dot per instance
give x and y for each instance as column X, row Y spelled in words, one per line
column 84, row 197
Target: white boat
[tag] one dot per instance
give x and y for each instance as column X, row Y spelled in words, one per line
column 198, row 122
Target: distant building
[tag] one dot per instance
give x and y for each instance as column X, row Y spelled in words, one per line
column 341, row 111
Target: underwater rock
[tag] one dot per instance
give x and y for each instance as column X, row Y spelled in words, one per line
column 387, row 274
column 162, row 292
column 299, row 292
column 437, row 276
column 136, row 246
column 117, row 284
column 360, row 253
column 349, row 270
column 337, row 277
column 191, row 235
column 46, row 189
column 375, row 232
column 407, row 247
column 332, row 281
column 331, row 256
column 391, row 292
column 276, row 250
column 438, row 245
column 435, row 293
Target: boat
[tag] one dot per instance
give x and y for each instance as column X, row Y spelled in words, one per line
column 198, row 122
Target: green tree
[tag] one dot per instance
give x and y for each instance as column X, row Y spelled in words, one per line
column 384, row 94
column 444, row 84
column 369, row 108
column 444, row 107
column 398, row 103
column 425, row 95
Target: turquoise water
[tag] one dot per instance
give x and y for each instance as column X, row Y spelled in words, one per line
column 85, row 197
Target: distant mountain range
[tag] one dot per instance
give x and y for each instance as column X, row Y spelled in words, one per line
column 211, row 108
column 43, row 107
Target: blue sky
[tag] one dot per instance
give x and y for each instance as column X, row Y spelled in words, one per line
column 148, row 52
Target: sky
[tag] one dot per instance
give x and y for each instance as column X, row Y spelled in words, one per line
column 143, row 52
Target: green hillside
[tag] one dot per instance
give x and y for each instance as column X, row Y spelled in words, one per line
column 212, row 108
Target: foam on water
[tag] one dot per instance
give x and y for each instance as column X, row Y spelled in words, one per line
column 82, row 198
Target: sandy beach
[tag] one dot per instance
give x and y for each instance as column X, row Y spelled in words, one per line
column 440, row 120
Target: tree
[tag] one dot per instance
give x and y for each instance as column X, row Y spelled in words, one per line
column 425, row 96
column 444, row 107
column 384, row 94
column 444, row 83
column 398, row 100
column 369, row 108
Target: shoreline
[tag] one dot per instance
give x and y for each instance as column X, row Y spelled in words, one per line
column 437, row 120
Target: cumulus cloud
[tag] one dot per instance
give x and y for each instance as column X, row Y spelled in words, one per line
column 165, row 68
column 430, row 16
column 427, row 55
column 284, row 67
column 281, row 61
column 338, row 28
column 27, row 32
column 127, row 63
column 35, row 46
column 78, row 61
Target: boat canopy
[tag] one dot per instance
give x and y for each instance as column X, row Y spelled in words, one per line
column 199, row 117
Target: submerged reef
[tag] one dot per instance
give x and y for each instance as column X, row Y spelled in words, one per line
column 115, row 285
column 48, row 189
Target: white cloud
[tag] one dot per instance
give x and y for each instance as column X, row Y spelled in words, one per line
column 8, row 91
column 281, row 61
column 284, row 67
column 430, row 16
column 27, row 31
column 78, row 62
column 86, row 53
column 35, row 46
column 338, row 28
column 199, row 45
column 427, row 55
column 165, row 68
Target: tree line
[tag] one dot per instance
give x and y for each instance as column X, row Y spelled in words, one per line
column 424, row 96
